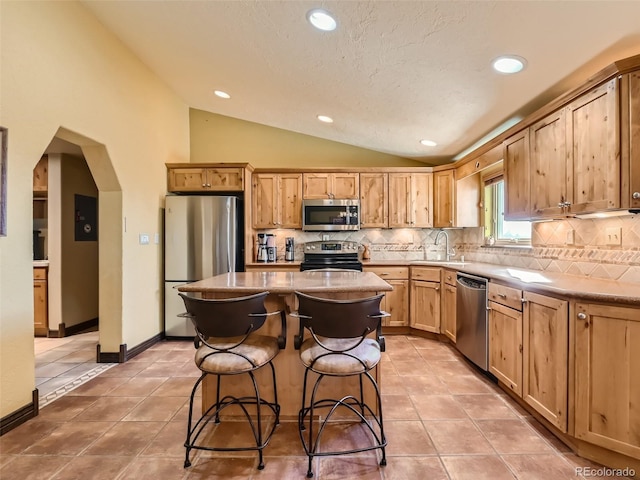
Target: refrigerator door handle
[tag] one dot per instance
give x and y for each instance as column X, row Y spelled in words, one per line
column 230, row 245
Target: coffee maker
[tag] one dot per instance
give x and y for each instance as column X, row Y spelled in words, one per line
column 261, row 252
column 288, row 249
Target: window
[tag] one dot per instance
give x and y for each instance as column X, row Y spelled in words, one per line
column 502, row 231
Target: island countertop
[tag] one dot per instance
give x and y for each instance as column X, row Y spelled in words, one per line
column 325, row 281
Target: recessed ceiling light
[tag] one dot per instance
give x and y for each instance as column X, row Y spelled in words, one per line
column 428, row 143
column 325, row 119
column 221, row 94
column 322, row 20
column 509, row 64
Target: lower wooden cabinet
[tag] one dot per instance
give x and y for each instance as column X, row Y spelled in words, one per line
column 395, row 302
column 448, row 313
column 505, row 345
column 607, row 378
column 546, row 356
column 40, row 302
column 425, row 299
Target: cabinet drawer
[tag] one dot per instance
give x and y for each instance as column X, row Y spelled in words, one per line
column 449, row 277
column 425, row 273
column 39, row 273
column 510, row 297
column 395, row 273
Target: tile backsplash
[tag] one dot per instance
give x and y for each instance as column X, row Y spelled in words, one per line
column 602, row 248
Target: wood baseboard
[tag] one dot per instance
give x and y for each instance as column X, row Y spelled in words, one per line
column 124, row 354
column 21, row 415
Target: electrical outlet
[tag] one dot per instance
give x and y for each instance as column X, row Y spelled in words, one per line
column 325, row 237
column 570, row 237
column 613, row 236
column 144, row 239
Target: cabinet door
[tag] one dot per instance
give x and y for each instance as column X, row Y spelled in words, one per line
column 425, row 306
column 316, row 185
column 374, row 192
column 545, row 357
column 189, row 179
column 345, row 185
column 444, row 194
column 40, row 303
column 290, row 200
column 607, row 383
column 265, row 200
column 634, row 141
column 516, row 176
column 397, row 302
column 448, row 326
column 225, row 179
column 422, row 200
column 594, row 142
column 549, row 170
column 400, row 200
column 505, row 345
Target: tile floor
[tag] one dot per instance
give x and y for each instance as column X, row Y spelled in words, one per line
column 443, row 421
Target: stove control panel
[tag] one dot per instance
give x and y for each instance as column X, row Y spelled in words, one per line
column 328, row 247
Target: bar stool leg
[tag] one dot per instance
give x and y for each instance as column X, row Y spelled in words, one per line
column 187, row 443
column 218, row 380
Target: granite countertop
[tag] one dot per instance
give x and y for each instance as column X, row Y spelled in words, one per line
column 325, row 281
column 40, row 263
column 560, row 284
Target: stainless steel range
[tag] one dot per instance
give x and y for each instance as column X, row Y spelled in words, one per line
column 334, row 254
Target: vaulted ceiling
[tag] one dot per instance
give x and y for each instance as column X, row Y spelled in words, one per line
column 391, row 74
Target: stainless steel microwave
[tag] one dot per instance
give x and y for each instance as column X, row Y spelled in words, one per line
column 330, row 214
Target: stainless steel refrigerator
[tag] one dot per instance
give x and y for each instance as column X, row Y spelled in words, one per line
column 203, row 237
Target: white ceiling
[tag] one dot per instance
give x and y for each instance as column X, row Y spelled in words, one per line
column 394, row 72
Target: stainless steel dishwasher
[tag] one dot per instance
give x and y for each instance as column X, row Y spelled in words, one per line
column 472, row 338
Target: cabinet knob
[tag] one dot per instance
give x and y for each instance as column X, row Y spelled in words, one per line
column 502, row 295
column 204, row 185
column 561, row 204
column 477, row 164
column 582, row 316
column 636, row 195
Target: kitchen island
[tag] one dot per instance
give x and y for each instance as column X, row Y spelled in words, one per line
column 336, row 284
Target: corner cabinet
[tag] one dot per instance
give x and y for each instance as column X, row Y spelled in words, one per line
column 425, row 299
column 374, row 200
column 183, row 178
column 344, row 185
column 412, row 201
column 607, row 383
column 277, row 200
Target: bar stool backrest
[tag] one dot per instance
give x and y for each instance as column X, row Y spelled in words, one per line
column 339, row 318
column 226, row 317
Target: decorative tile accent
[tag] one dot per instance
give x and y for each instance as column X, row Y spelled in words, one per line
column 51, row 397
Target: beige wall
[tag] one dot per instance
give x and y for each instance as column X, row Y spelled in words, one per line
column 216, row 138
column 62, row 70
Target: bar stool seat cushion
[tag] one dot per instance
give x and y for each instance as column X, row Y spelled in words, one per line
column 258, row 350
column 367, row 356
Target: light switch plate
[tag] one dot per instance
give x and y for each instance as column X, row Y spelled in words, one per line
column 570, row 237
column 613, row 236
column 144, row 239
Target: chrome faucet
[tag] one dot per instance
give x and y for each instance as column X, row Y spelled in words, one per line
column 450, row 253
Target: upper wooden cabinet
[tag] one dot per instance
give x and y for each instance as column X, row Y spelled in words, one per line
column 374, row 200
column 568, row 162
column 631, row 135
column 593, row 139
column 331, row 185
column 410, row 200
column 516, row 176
column 277, row 200
column 41, row 177
column 444, row 199
column 549, row 165
column 204, row 178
